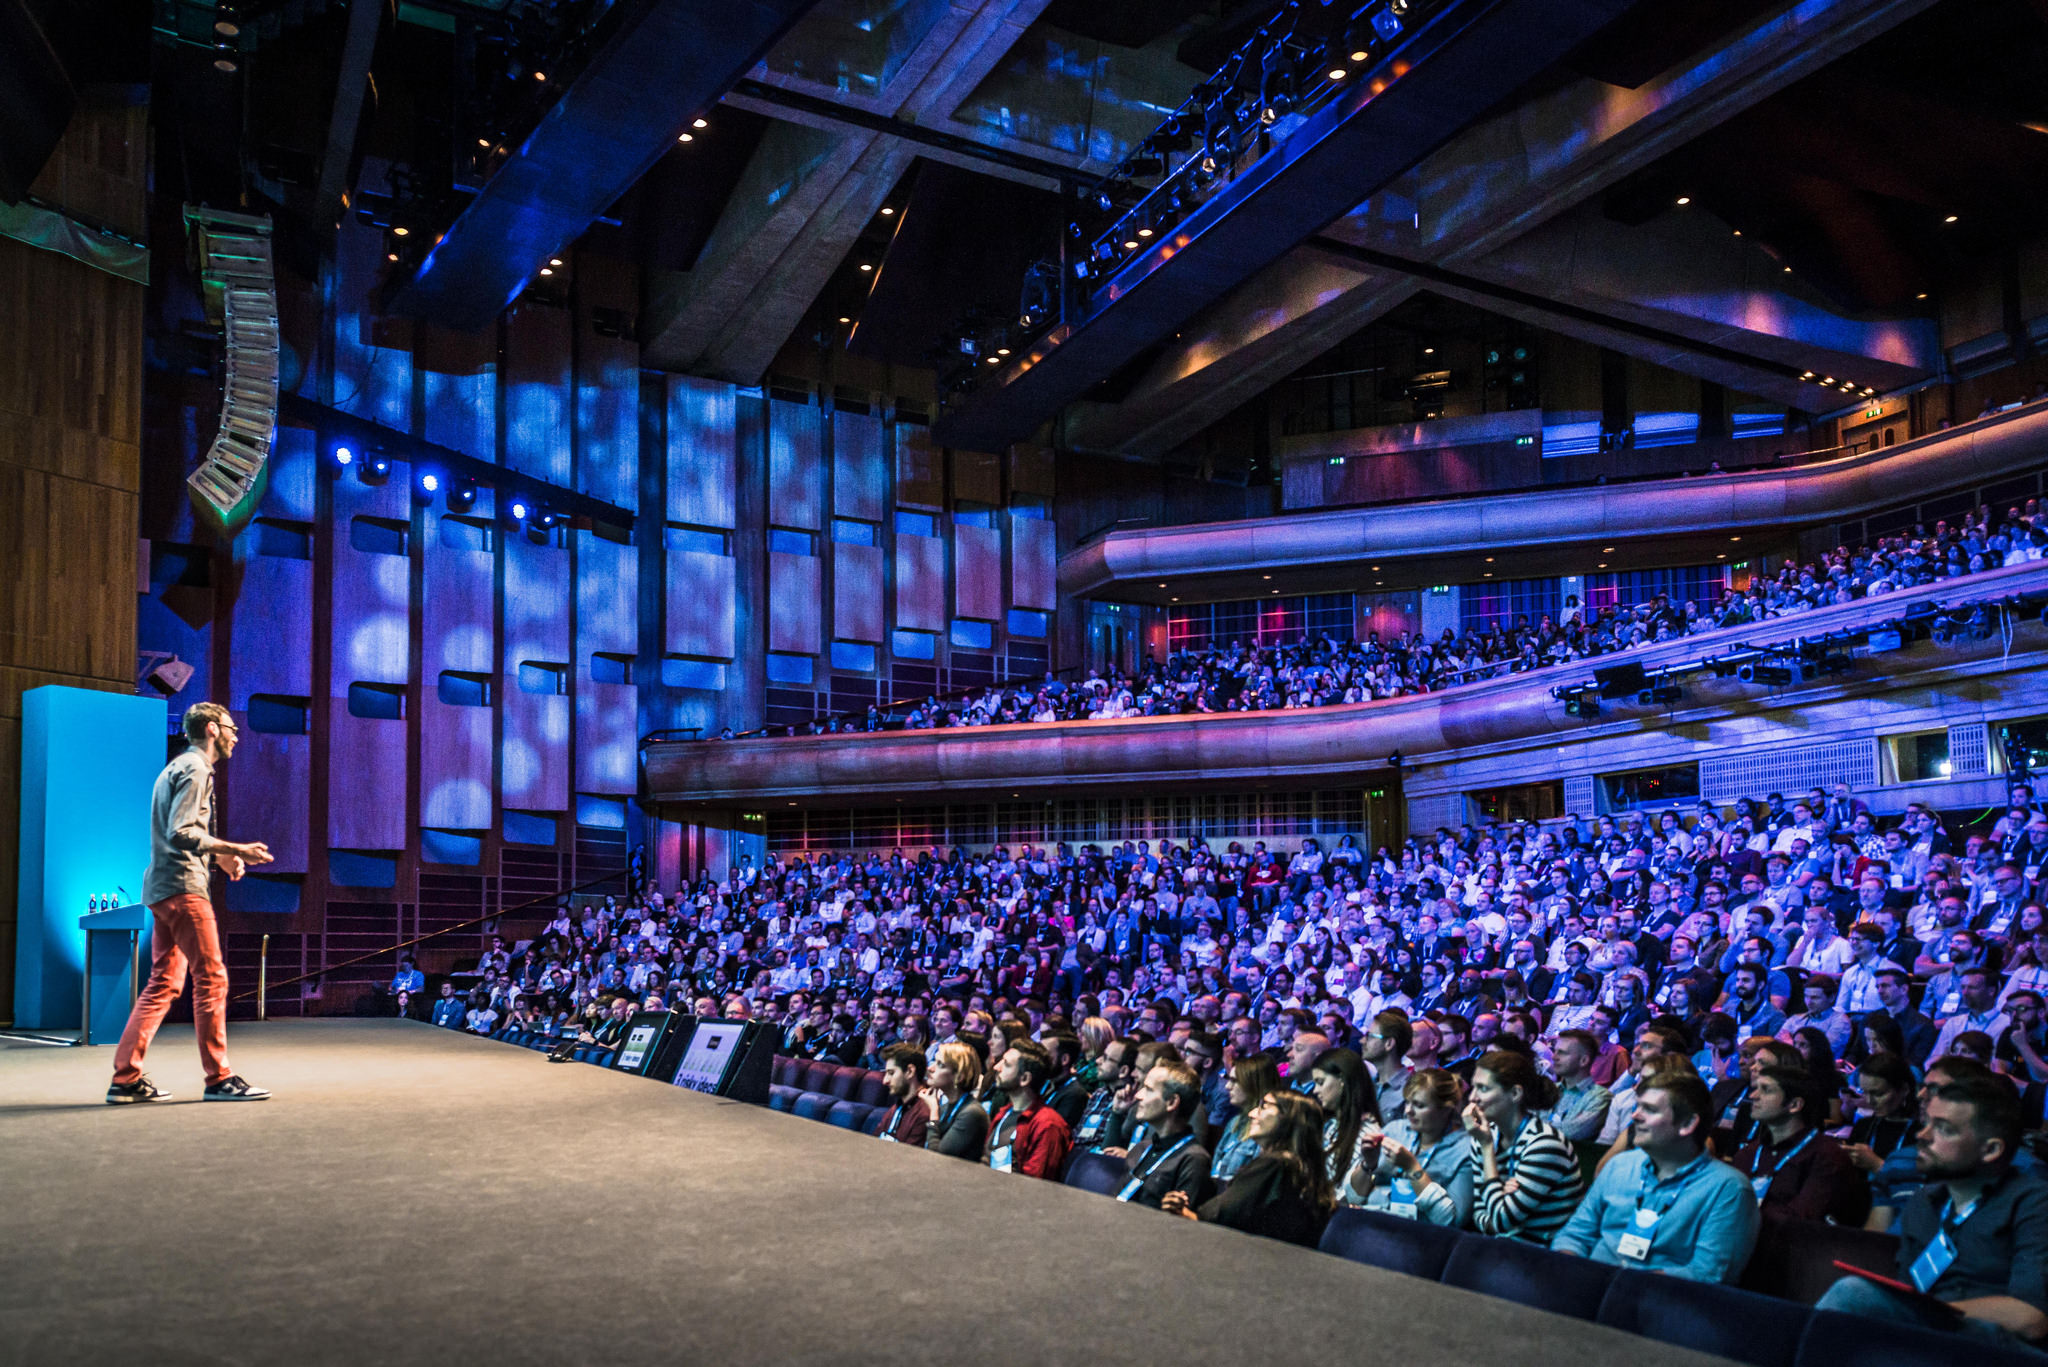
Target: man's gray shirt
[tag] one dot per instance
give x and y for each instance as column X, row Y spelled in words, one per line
column 180, row 829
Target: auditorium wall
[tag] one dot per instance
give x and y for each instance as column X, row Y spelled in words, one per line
column 442, row 707
column 70, row 426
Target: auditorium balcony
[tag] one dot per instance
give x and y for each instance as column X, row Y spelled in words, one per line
column 1909, row 693
column 1672, row 519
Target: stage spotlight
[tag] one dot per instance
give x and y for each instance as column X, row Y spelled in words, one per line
column 1582, row 705
column 1887, row 638
column 547, row 516
column 343, row 456
column 1659, row 695
column 1769, row 675
column 462, row 494
column 429, row 481
column 519, row 510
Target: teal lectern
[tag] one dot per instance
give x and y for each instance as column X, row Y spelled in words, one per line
column 88, row 763
column 117, row 956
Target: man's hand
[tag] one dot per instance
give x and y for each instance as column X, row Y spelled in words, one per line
column 255, row 852
column 1176, row 1203
column 231, row 863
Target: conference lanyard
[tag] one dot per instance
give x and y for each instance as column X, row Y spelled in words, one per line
column 1761, row 1182
column 1934, row 1259
column 1137, row 1182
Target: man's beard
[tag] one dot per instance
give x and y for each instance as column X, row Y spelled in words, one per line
column 1935, row 1172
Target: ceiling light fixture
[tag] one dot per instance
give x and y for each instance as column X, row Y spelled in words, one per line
column 700, row 123
column 483, row 142
column 554, row 261
column 1360, row 55
column 400, row 231
column 547, row 270
column 1144, row 232
column 1002, row 351
column 887, row 210
column 1919, row 296
column 1950, row 219
column 1131, row 244
column 540, row 75
column 866, row 266
column 1338, row 73
column 846, row 320
column 686, row 137
column 226, row 28
column 1684, row 200
column 391, row 256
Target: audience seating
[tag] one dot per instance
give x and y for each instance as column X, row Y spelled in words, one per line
column 781, row 1098
column 1514, row 1271
column 876, row 1119
column 1802, row 1262
column 848, row 1115
column 1742, row 1325
column 785, row 1072
column 814, row 1106
column 1837, row 1340
column 1096, row 1172
column 873, row 1089
column 816, row 1076
column 1415, row 1247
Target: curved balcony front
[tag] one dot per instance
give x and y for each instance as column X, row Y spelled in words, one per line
column 1704, row 506
column 1300, row 747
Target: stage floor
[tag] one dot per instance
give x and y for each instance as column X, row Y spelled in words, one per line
column 417, row 1196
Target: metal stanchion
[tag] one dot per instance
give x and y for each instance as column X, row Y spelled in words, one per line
column 263, row 979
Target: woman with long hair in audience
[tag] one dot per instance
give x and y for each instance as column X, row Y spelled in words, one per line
column 1529, row 1180
column 958, row 1123
column 1284, row 1192
column 1345, row 1091
column 1818, row 1050
column 1250, row 1081
column 1424, row 1167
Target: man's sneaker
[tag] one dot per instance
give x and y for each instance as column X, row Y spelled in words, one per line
column 234, row 1089
column 128, row 1093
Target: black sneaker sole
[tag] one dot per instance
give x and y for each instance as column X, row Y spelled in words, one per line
column 125, row 1100
column 237, row 1096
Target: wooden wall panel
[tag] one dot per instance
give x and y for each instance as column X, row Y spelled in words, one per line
column 794, row 610
column 70, row 455
column 1034, row 563
column 607, row 738
column 607, row 596
column 459, row 381
column 1031, row 467
column 537, row 406
column 860, row 480
column 607, row 382
column 370, row 625
column 920, row 480
column 456, row 635
column 367, row 781
column 701, row 468
column 266, row 792
column 978, row 478
column 700, row 605
column 857, row 593
column 534, row 755
column 920, row 582
column 978, row 573
column 270, row 630
column 796, row 467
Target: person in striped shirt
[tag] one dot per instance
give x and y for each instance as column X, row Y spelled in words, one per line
column 1529, row 1181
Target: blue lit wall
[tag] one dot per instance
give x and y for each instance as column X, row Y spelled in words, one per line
column 88, row 762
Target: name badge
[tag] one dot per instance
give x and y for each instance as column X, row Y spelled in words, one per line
column 1952, row 1003
column 1635, row 1245
column 1760, row 1185
column 999, row 1158
column 1401, row 1198
column 887, row 1138
column 1130, row 1189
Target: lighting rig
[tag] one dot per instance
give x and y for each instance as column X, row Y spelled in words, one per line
column 1297, row 62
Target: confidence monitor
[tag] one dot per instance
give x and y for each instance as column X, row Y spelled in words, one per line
column 651, row 1042
column 729, row 1059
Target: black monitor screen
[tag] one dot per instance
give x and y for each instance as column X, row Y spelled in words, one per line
column 713, row 1047
column 640, row 1038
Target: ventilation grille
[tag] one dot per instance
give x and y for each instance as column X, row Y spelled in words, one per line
column 1969, row 750
column 1578, row 795
column 1425, row 814
column 1791, row 769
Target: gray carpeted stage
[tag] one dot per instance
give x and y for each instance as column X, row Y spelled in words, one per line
column 416, row 1196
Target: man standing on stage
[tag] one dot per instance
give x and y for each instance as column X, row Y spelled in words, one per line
column 176, row 890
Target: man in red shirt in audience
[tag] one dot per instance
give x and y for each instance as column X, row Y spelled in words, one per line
column 1028, row 1136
